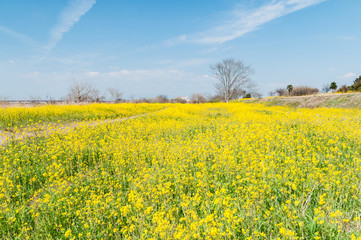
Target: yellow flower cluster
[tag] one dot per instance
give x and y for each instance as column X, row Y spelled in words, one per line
column 207, row 171
column 28, row 116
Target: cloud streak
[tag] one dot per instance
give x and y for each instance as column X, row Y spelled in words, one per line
column 68, row 17
column 347, row 75
column 16, row 35
column 244, row 21
column 146, row 74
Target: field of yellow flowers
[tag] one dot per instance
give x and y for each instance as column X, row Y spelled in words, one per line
column 20, row 117
column 207, row 171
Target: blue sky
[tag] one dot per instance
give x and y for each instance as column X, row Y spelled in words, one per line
column 147, row 48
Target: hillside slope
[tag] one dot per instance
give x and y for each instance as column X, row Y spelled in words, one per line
column 343, row 100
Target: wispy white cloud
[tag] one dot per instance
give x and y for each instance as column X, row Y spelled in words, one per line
column 193, row 62
column 172, row 82
column 346, row 37
column 244, row 21
column 141, row 74
column 153, row 82
column 348, row 75
column 68, row 17
column 16, row 35
column 92, row 74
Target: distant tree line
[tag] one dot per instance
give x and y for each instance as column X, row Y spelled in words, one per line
column 355, row 87
column 290, row 90
column 233, row 81
column 232, row 76
column 85, row 92
column 305, row 90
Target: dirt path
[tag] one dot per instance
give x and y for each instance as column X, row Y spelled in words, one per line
column 6, row 136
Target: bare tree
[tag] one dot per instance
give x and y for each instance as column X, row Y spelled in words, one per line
column 256, row 94
column 304, row 90
column 272, row 93
column 161, row 99
column 115, row 94
column 179, row 100
column 343, row 89
column 215, row 98
column 141, row 100
column 281, row 92
column 233, row 78
column 198, row 98
column 50, row 100
column 326, row 88
column 3, row 99
column 35, row 99
column 84, row 92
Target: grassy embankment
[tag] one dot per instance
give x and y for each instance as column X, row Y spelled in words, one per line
column 337, row 100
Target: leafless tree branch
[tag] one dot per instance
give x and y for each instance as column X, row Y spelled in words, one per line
column 233, row 79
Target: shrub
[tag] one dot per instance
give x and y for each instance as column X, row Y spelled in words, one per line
column 178, row 100
column 248, row 95
column 142, row 100
column 198, row 98
column 161, row 99
column 333, row 86
column 304, row 90
column 281, row 92
column 84, row 92
column 216, row 98
column 356, row 86
column 343, row 89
